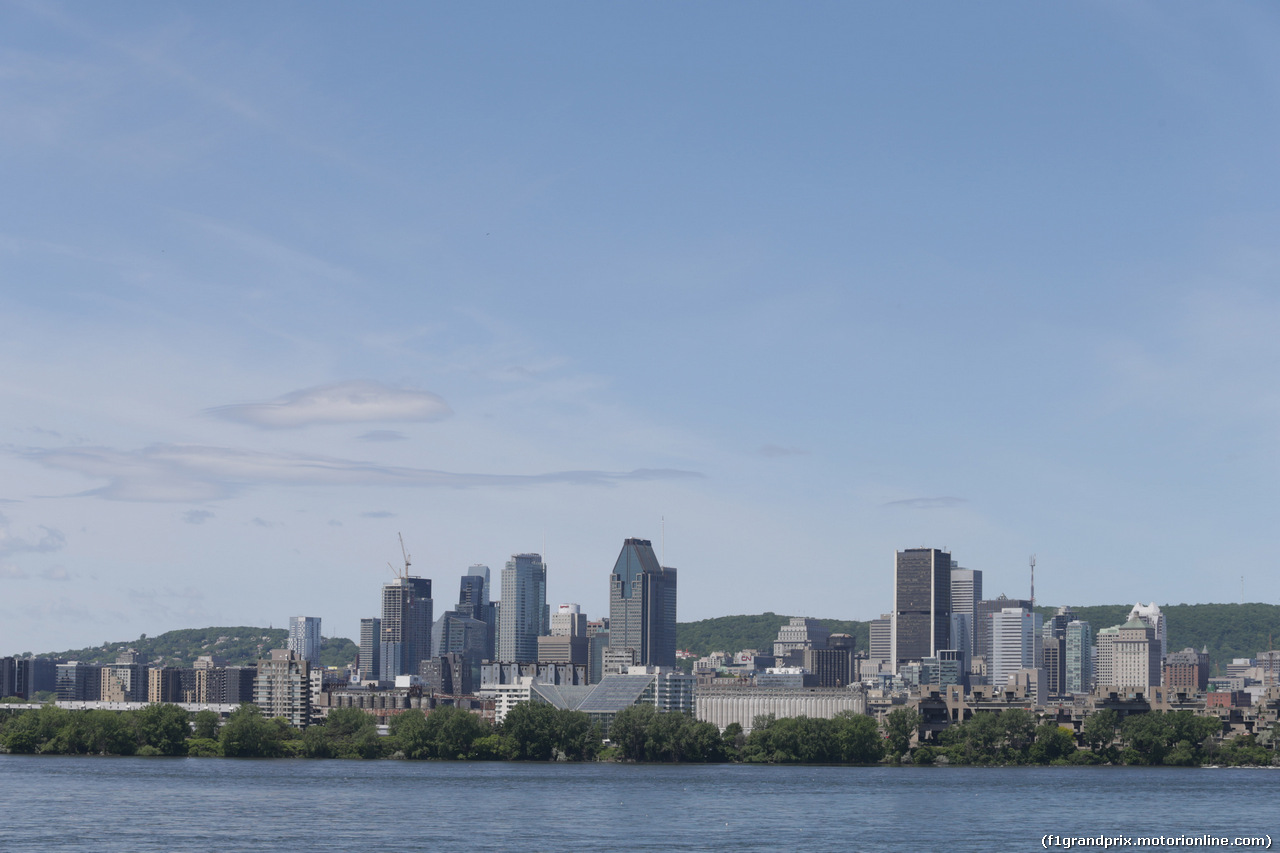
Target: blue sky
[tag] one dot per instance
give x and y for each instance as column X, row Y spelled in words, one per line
column 811, row 283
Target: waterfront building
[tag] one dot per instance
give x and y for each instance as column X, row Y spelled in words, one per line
column 921, row 604
column 523, row 616
column 8, row 677
column 78, row 682
column 304, row 638
column 405, row 627
column 283, row 687
column 642, row 605
column 473, row 601
column 725, row 704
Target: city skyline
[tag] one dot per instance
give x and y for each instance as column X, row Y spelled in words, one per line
column 537, row 281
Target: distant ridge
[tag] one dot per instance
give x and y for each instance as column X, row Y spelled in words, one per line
column 240, row 646
column 1228, row 630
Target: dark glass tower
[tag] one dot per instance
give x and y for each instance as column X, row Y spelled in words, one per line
column 406, row 626
column 921, row 604
column 642, row 605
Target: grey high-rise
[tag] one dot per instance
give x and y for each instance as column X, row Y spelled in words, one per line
column 523, row 616
column 406, row 626
column 984, row 612
column 304, row 638
column 642, row 605
column 921, row 604
column 371, row 648
column 966, row 592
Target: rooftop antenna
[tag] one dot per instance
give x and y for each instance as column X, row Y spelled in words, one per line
column 1033, row 581
column 664, row 541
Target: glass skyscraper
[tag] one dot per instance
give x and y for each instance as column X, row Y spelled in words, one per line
column 523, row 616
column 921, row 604
column 406, row 626
column 642, row 605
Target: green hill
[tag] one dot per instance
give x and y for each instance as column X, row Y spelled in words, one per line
column 1227, row 630
column 240, row 646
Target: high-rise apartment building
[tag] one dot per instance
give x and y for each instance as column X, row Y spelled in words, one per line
column 921, row 604
column 304, row 638
column 642, row 605
column 405, row 627
column 523, row 616
column 1078, row 664
column 1187, row 671
column 282, row 687
column 370, row 668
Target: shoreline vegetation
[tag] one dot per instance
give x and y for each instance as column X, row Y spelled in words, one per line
column 537, row 732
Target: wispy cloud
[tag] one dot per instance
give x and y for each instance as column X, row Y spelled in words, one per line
column 382, row 513
column 12, row 573
column 774, row 450
column 339, row 403
column 926, row 503
column 197, row 516
column 186, row 473
column 57, row 573
column 49, row 540
column 383, row 435
column 261, row 522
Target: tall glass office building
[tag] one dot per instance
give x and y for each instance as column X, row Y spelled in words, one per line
column 642, row 605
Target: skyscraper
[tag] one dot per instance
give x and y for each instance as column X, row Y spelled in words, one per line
column 1015, row 634
column 1151, row 615
column 921, row 604
column 523, row 616
column 406, row 626
column 473, row 601
column 983, row 611
column 966, row 592
column 370, row 649
column 304, row 638
column 642, row 605
column 1079, row 659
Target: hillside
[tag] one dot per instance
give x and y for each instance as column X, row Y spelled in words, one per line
column 240, row 646
column 1227, row 630
column 735, row 633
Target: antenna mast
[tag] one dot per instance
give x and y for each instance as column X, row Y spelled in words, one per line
column 664, row 541
column 1033, row 581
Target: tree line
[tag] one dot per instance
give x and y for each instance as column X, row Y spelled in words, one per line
column 540, row 732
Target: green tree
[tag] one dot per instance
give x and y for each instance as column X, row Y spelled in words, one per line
column 1052, row 743
column 1099, row 731
column 206, row 724
column 1019, row 727
column 163, row 728
column 857, row 738
column 900, row 726
column 629, row 730
column 247, row 734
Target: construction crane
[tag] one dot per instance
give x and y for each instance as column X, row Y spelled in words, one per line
column 404, row 554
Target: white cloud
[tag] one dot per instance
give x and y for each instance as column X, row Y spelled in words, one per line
column 339, row 403
column 197, row 516
column 186, row 473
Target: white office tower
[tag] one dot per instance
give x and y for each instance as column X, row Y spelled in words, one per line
column 966, row 592
column 568, row 621
column 1014, row 635
column 1151, row 615
column 304, row 638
